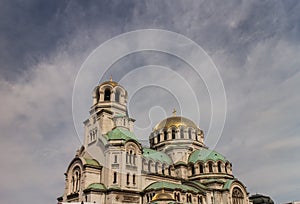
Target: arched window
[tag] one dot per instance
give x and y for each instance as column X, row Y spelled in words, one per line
column 201, row 168
column 165, row 135
column 190, row 134
column 130, row 157
column 170, row 171
column 173, row 133
column 128, row 175
column 226, row 167
column 156, row 167
column 115, row 177
column 158, row 138
column 237, row 196
column 133, row 179
column 196, row 137
column 163, row 169
column 199, row 199
column 117, row 96
column 149, row 166
column 107, row 95
column 75, row 181
column 219, row 167
column 210, row 167
column 181, row 133
column 193, row 170
column 188, row 198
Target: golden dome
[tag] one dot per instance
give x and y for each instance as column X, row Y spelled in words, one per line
column 112, row 83
column 175, row 121
column 163, row 196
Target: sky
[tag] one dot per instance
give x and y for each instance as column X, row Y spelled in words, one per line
column 255, row 46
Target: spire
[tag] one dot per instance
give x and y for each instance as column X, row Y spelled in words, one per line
column 110, row 78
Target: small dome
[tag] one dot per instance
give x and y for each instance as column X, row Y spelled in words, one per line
column 204, row 155
column 175, row 121
column 163, row 197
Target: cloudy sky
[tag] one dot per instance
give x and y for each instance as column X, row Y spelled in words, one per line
column 255, row 46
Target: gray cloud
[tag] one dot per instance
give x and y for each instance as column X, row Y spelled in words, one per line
column 254, row 45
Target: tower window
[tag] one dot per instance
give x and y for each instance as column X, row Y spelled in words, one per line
column 158, row 138
column 128, row 175
column 190, row 134
column 165, row 135
column 117, row 96
column 107, row 95
column 201, row 168
column 219, row 167
column 181, row 133
column 210, row 167
column 133, row 179
column 115, row 177
column 116, row 159
column 193, row 170
column 173, row 133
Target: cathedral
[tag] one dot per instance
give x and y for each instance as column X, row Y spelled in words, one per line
column 112, row 167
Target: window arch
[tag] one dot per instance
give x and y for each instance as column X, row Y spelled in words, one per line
column 201, row 168
column 181, row 133
column 158, row 137
column 107, row 94
column 188, row 198
column 226, row 167
column 210, row 167
column 173, row 133
column 165, row 135
column 163, row 168
column 115, row 177
column 192, row 169
column 237, row 196
column 190, row 133
column 170, row 171
column 199, row 199
column 128, row 176
column 75, row 180
column 117, row 96
column 156, row 167
column 219, row 167
column 149, row 166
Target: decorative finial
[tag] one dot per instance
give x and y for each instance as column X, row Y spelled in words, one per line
column 110, row 78
column 174, row 112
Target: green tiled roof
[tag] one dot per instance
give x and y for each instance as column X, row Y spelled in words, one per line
column 205, row 155
column 92, row 162
column 121, row 134
column 119, row 115
column 171, row 186
column 200, row 185
column 96, row 186
column 156, row 155
column 228, row 184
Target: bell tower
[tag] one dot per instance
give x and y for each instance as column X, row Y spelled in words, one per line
column 109, row 110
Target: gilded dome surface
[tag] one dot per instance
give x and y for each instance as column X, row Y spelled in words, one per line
column 175, row 121
column 112, row 83
column 163, row 197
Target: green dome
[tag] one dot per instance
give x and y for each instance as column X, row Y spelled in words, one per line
column 156, row 156
column 205, row 155
column 121, row 134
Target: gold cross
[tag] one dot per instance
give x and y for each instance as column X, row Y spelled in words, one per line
column 174, row 112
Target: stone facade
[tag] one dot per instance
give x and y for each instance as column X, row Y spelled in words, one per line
column 113, row 167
